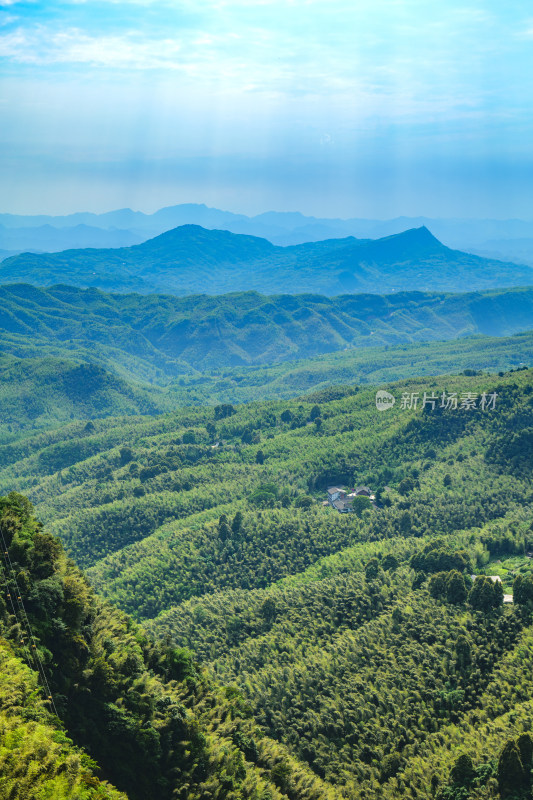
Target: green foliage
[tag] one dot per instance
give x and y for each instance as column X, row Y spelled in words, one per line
column 513, row 774
column 486, row 595
column 103, row 357
column 523, row 591
column 463, row 772
column 157, row 726
column 353, row 664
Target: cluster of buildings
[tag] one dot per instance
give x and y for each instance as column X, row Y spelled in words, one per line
column 342, row 499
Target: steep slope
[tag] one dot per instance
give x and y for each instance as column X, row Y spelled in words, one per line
column 158, row 727
column 37, row 759
column 184, row 260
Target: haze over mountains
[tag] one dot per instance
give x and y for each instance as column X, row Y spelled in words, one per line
column 172, row 336
column 508, row 240
column 191, row 259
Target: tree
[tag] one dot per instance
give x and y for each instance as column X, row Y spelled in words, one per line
column 236, row 525
column 463, row 772
column 390, row 766
column 523, row 590
column 224, row 410
column 437, row 585
column 485, row 594
column 390, row 562
column 360, row 504
column 512, row 776
column 315, row 412
column 406, row 485
column 126, row 455
column 372, row 569
column 268, row 609
column 525, row 745
column 456, row 591
column 224, row 531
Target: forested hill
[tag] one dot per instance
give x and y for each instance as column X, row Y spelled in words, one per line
column 187, row 259
column 80, row 681
column 68, row 353
column 363, row 661
column 172, row 336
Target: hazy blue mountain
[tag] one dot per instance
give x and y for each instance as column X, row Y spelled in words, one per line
column 125, row 218
column 190, row 259
column 47, row 238
column 288, row 228
column 519, row 250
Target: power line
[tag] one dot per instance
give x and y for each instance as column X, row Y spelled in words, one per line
column 30, row 658
column 24, row 615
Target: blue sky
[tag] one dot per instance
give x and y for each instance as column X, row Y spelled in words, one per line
column 339, row 108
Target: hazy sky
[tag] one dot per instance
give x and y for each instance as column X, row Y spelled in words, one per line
column 339, row 108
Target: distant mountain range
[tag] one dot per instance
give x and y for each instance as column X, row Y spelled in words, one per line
column 509, row 240
column 47, row 238
column 191, row 259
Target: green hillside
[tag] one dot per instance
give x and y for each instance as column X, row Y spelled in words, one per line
column 158, row 338
column 363, row 660
column 72, row 354
column 40, row 392
column 35, row 392
column 186, row 259
column 37, row 759
column 361, row 365
column 79, row 678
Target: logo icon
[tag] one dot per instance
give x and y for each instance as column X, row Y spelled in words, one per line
column 384, row 400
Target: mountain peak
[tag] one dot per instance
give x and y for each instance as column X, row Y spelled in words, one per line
column 421, row 234
column 213, row 246
column 415, row 242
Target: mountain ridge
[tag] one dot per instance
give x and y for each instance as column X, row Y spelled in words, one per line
column 281, row 228
column 179, row 260
column 170, row 336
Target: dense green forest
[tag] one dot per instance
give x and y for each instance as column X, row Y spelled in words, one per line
column 69, row 354
column 161, row 337
column 80, row 681
column 40, row 392
column 177, row 261
column 287, row 650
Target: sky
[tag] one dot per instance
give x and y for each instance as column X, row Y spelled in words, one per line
column 337, row 109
